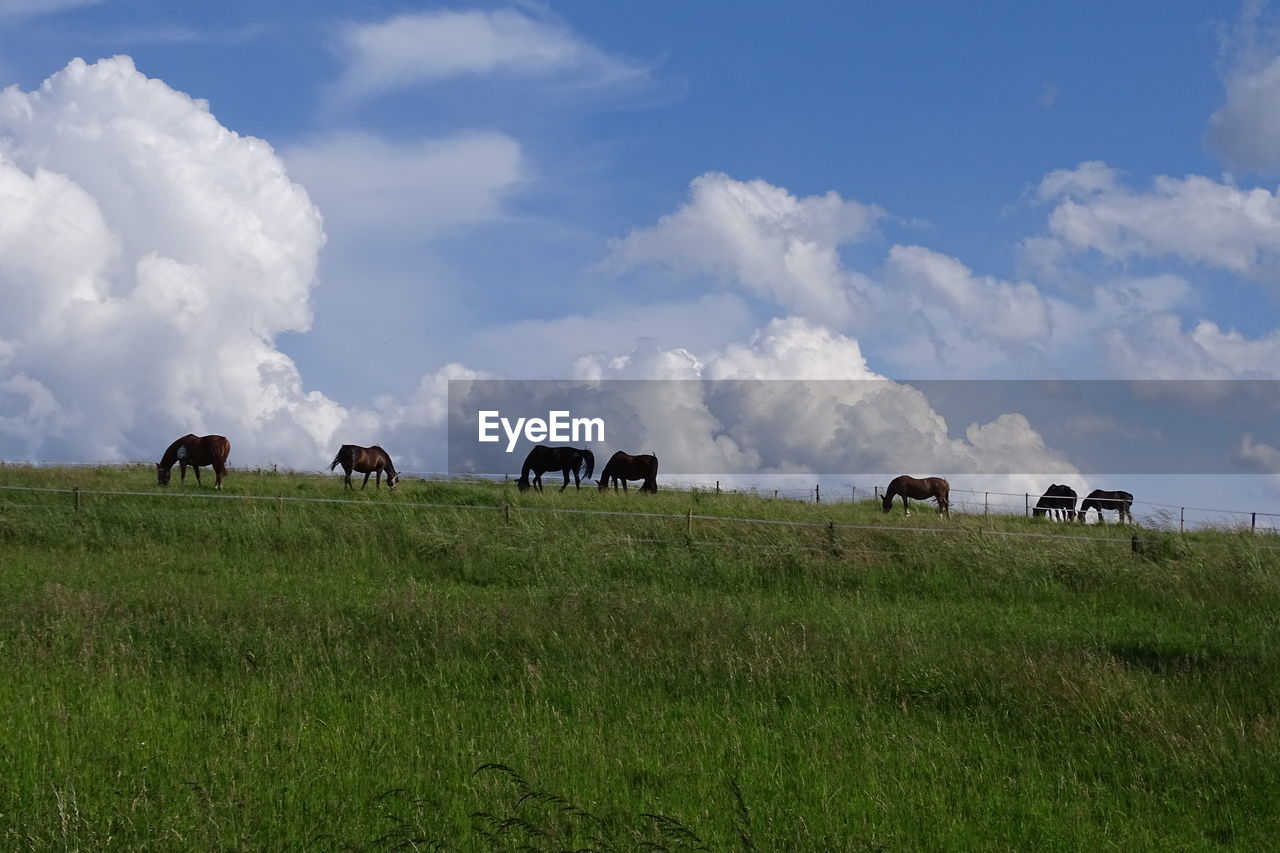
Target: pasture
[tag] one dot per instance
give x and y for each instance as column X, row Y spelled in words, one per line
column 213, row 673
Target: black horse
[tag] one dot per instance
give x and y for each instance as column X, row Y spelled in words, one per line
column 1057, row 502
column 1121, row 502
column 567, row 459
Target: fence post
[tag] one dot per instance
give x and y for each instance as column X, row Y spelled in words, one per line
column 831, row 535
column 506, row 512
column 717, row 487
column 1253, row 522
column 1182, row 519
column 688, row 523
column 775, row 494
column 877, row 492
column 986, row 503
column 817, row 494
column 76, row 492
column 1027, row 500
column 853, row 494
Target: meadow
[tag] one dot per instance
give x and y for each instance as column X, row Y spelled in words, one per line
column 454, row 666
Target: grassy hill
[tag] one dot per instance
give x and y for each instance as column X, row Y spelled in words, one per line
column 333, row 673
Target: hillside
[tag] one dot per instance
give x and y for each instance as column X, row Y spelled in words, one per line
column 317, row 668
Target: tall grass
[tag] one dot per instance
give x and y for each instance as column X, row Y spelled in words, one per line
column 212, row 673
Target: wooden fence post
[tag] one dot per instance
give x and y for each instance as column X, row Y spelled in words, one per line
column 877, row 492
column 1027, row 500
column 688, row 523
column 76, row 492
column 717, row 487
column 1253, row 522
column 853, row 494
column 1182, row 519
column 986, row 503
column 817, row 494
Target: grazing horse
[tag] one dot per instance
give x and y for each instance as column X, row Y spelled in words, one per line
column 1121, row 502
column 623, row 466
column 1057, row 502
column 365, row 460
column 567, row 459
column 921, row 490
column 194, row 450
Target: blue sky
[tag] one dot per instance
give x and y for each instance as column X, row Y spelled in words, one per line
column 589, row 189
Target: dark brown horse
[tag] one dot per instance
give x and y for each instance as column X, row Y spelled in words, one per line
column 921, row 490
column 623, row 466
column 1121, row 502
column 365, row 460
column 567, row 459
column 194, row 450
column 1057, row 502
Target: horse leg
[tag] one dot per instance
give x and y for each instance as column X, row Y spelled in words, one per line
column 377, row 479
column 906, row 507
column 218, row 471
column 566, row 479
column 366, row 480
column 196, row 468
column 182, row 470
column 346, row 477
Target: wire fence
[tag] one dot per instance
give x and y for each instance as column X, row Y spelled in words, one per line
column 74, row 498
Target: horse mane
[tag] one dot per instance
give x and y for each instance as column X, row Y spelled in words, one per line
column 170, row 457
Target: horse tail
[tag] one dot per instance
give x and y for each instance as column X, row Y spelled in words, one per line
column 336, row 460
column 588, row 463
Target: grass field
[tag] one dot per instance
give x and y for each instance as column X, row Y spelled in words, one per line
column 272, row 674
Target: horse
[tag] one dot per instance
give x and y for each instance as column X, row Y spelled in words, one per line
column 1057, row 502
column 623, row 466
column 567, row 459
column 194, row 450
column 1121, row 502
column 921, row 490
column 365, row 460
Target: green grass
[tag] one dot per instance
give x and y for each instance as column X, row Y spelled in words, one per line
column 209, row 673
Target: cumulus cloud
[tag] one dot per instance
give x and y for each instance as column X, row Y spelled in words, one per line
column 372, row 188
column 429, row 47
column 762, row 238
column 1257, row 457
column 1192, row 219
column 809, row 423
column 149, row 257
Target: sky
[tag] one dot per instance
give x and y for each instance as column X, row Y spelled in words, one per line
column 292, row 223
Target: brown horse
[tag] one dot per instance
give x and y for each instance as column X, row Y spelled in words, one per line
column 365, row 460
column 921, row 490
column 623, row 466
column 1121, row 502
column 194, row 450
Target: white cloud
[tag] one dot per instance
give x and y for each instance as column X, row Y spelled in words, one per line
column 1245, row 129
column 149, row 257
column 1257, row 457
column 946, row 289
column 370, row 188
column 32, row 8
column 429, row 47
column 1193, row 219
column 760, row 237
column 808, row 424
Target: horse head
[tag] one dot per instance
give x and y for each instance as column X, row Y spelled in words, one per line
column 887, row 502
column 162, row 474
column 523, row 484
column 392, row 479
